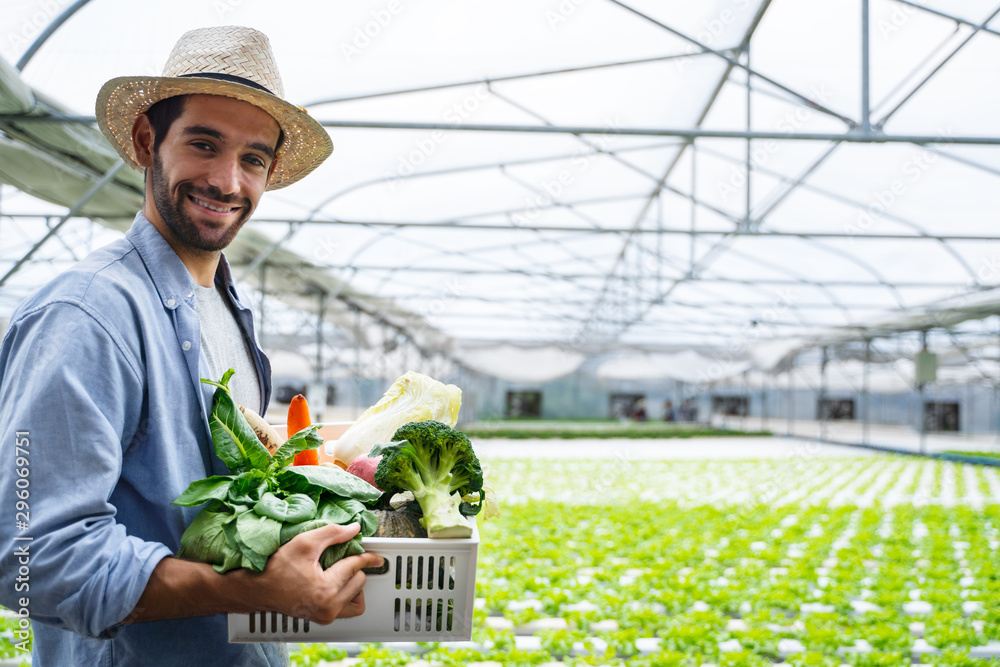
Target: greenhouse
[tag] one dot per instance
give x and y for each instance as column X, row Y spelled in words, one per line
column 719, row 283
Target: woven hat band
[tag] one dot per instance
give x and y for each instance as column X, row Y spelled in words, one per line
column 232, row 78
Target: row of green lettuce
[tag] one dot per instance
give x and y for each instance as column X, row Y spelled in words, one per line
column 699, row 576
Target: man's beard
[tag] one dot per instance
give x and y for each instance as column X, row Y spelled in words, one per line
column 172, row 212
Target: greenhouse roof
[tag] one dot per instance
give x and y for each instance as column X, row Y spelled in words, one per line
column 592, row 176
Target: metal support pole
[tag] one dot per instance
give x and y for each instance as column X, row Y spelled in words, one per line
column 749, row 166
column 866, row 123
column 318, row 370
column 921, row 408
column 694, row 208
column 996, row 398
column 357, row 358
column 791, row 397
column 763, row 405
column 87, row 196
column 865, row 394
column 320, row 315
column 822, row 395
column 260, row 309
column 969, row 397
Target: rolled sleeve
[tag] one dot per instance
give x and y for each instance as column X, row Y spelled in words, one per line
column 70, row 386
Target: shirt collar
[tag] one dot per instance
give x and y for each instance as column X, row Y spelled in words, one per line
column 171, row 278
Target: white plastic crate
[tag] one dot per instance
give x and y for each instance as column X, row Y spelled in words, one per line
column 426, row 594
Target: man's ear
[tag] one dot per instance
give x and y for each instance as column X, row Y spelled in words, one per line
column 142, row 140
column 270, row 171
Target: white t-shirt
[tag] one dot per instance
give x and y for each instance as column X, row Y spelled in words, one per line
column 223, row 347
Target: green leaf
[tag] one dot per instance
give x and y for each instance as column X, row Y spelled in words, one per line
column 205, row 540
column 309, row 479
column 248, row 487
column 381, row 448
column 368, row 521
column 248, row 558
column 336, row 552
column 290, row 530
column 331, row 512
column 307, row 438
column 234, row 560
column 232, row 436
column 203, row 490
column 293, row 509
column 260, row 533
column 224, row 382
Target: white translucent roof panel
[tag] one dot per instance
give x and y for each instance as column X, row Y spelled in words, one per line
column 693, row 171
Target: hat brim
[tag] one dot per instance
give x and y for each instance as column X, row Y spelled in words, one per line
column 122, row 99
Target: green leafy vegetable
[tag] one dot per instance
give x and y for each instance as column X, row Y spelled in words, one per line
column 303, row 479
column 294, row 509
column 204, row 539
column 265, row 503
column 232, row 436
column 247, row 487
column 305, row 439
column 210, row 488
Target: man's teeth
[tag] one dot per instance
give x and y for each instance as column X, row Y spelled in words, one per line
column 211, row 207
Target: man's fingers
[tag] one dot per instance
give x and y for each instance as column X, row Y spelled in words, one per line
column 370, row 559
column 350, row 599
column 315, row 541
column 346, row 568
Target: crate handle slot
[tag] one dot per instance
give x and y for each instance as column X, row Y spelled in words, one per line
column 381, row 569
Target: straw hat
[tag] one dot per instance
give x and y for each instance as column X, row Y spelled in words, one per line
column 225, row 60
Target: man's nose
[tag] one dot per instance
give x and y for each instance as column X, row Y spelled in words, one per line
column 225, row 175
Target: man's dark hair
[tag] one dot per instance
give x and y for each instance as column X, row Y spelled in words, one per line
column 163, row 114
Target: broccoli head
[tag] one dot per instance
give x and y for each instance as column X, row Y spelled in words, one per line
column 438, row 465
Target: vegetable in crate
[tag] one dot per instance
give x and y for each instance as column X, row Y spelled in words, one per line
column 403, row 521
column 298, row 419
column 364, row 467
column 412, row 397
column 438, row 465
column 265, row 502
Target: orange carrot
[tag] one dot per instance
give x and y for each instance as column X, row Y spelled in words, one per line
column 298, row 419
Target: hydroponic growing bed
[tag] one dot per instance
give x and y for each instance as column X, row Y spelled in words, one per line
column 802, row 561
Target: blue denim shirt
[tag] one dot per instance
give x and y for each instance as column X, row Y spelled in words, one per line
column 101, row 369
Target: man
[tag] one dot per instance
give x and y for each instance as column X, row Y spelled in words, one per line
column 100, row 388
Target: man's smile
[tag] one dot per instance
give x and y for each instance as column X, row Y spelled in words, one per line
column 218, row 208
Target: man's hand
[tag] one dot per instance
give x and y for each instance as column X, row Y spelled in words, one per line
column 293, row 583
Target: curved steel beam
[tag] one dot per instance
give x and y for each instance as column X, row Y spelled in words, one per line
column 734, row 62
column 800, row 183
column 936, row 69
column 488, row 81
column 53, row 25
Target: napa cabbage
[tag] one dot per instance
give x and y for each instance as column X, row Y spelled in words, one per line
column 413, row 397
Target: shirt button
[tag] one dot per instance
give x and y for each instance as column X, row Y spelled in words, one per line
column 170, row 303
column 186, row 345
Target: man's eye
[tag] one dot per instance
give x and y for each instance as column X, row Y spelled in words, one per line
column 256, row 161
column 203, row 145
